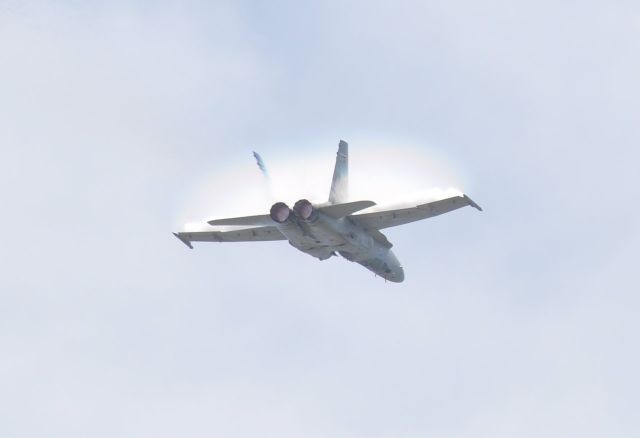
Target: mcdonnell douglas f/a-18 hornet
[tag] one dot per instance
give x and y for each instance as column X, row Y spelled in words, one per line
column 331, row 228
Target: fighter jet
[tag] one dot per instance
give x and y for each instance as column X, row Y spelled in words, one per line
column 332, row 228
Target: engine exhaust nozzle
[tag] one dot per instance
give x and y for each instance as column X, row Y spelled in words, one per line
column 305, row 210
column 280, row 212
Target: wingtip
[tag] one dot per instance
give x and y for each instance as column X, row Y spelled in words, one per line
column 472, row 203
column 183, row 240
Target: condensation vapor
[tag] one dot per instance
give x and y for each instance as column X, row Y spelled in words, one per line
column 390, row 175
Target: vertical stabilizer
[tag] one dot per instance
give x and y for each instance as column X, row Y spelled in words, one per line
column 340, row 183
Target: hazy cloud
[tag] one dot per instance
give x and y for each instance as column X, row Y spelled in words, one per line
column 516, row 321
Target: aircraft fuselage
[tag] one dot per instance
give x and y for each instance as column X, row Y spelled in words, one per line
column 322, row 236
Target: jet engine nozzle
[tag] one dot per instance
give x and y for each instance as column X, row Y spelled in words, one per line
column 305, row 210
column 280, row 212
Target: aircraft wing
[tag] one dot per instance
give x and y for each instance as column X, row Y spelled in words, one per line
column 258, row 234
column 392, row 218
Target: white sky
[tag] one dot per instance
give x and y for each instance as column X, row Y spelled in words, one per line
column 116, row 118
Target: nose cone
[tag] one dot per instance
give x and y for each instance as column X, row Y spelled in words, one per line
column 397, row 276
column 397, row 273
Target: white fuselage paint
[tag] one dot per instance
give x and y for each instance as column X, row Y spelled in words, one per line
column 324, row 236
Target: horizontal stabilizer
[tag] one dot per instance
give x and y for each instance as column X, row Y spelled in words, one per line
column 337, row 211
column 246, row 221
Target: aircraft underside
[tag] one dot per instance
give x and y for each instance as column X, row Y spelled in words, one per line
column 336, row 227
column 319, row 235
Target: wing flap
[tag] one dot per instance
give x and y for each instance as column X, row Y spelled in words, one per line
column 260, row 234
